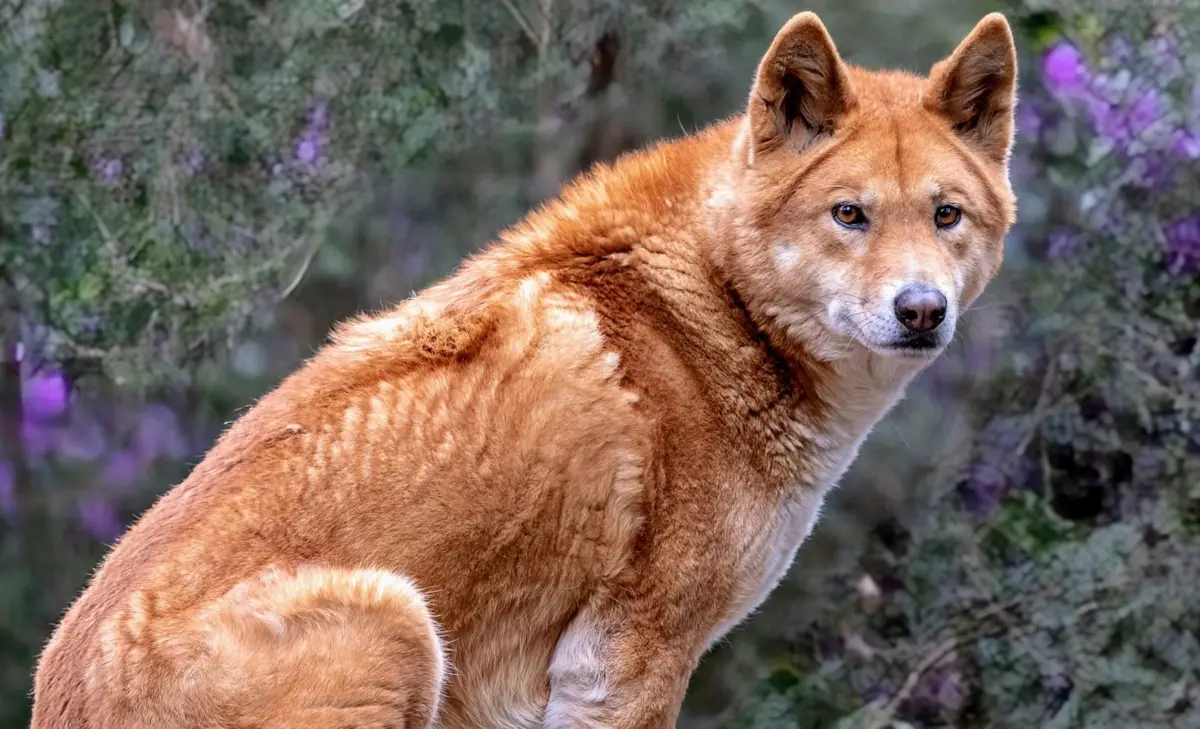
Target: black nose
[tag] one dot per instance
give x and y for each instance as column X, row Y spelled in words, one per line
column 920, row 308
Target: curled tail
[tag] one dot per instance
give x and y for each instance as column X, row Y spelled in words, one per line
column 314, row 648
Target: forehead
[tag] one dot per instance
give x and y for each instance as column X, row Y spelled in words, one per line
column 899, row 155
column 894, row 149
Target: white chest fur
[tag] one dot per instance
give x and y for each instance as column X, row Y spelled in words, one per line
column 768, row 553
column 866, row 389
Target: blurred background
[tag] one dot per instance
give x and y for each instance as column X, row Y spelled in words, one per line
column 193, row 191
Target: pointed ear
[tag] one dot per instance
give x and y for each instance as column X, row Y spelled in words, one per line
column 976, row 88
column 801, row 89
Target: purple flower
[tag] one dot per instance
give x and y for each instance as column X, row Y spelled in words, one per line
column 122, row 469
column 318, row 115
column 1185, row 144
column 1065, row 69
column 950, row 692
column 940, row 692
column 308, row 148
column 82, row 440
column 37, row 438
column 1146, row 112
column 1058, row 688
column 981, row 492
column 1062, row 244
column 1111, row 121
column 1121, row 112
column 158, row 434
column 1183, row 245
column 994, row 469
column 99, row 518
column 1121, row 51
column 8, row 491
column 1165, row 54
column 193, row 161
column 1154, row 169
column 1029, row 120
column 109, row 169
column 45, row 394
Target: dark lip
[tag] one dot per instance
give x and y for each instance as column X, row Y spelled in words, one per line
column 917, row 343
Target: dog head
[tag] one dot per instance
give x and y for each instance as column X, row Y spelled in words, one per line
column 868, row 209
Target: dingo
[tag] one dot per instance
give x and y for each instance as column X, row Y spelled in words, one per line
column 534, row 494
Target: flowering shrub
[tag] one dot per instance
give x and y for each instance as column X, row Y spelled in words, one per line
column 168, row 172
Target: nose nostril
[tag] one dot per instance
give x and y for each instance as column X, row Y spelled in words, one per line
column 920, row 308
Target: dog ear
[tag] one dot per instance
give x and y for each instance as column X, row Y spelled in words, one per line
column 801, row 89
column 976, row 88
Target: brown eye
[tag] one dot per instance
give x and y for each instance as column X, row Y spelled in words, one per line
column 850, row 216
column 947, row 216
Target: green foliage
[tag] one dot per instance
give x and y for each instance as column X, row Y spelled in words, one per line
column 171, row 169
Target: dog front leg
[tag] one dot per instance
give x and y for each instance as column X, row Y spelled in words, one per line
column 616, row 672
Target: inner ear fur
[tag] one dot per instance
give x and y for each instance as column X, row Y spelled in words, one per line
column 975, row 88
column 801, row 89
